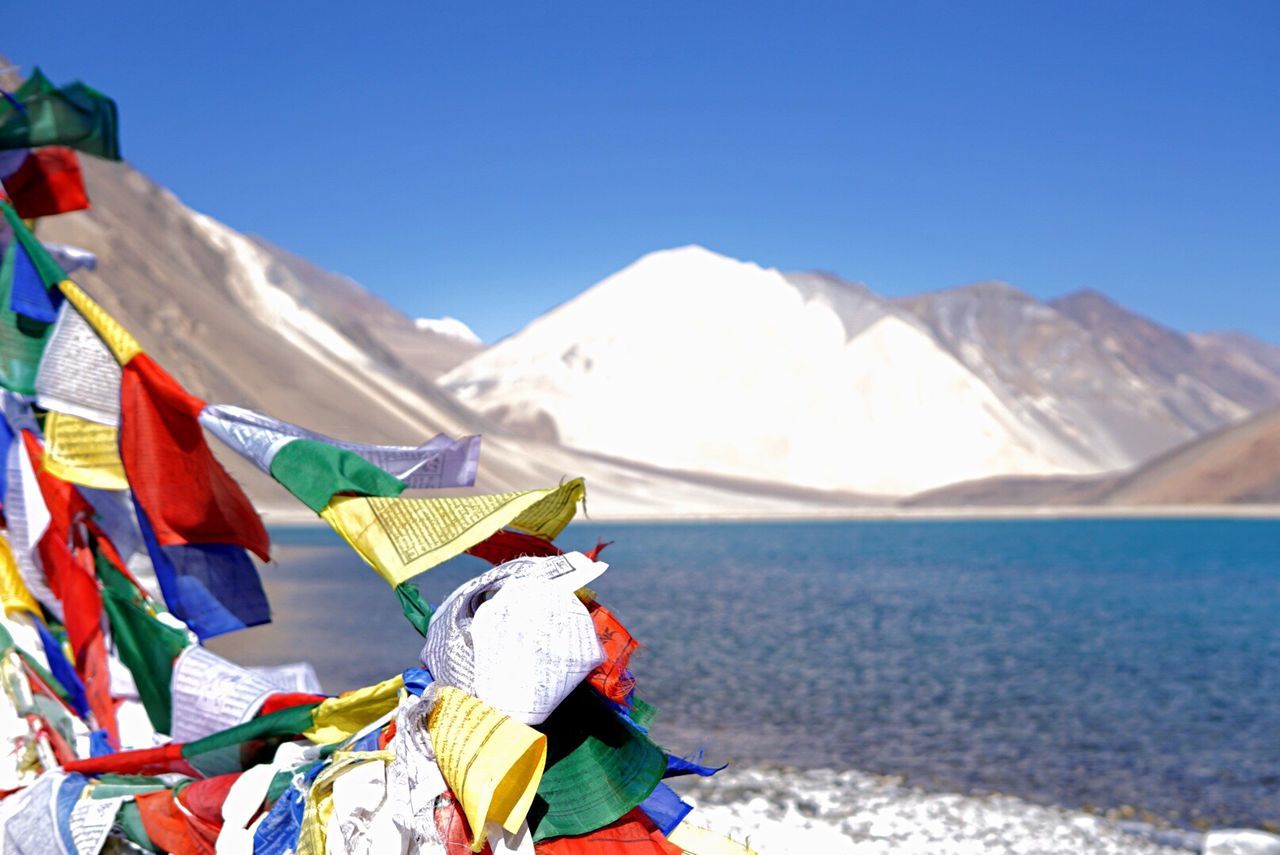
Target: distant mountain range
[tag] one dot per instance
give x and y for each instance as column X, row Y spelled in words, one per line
column 694, row 384
column 690, row 360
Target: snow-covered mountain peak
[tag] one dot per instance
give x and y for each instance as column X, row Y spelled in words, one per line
column 448, row 327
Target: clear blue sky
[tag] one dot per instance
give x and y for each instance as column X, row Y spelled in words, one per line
column 491, row 162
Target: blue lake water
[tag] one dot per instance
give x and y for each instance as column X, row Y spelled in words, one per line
column 1075, row 662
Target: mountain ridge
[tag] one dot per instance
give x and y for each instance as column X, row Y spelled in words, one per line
column 1054, row 394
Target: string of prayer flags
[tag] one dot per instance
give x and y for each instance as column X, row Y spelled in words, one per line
column 45, row 182
column 76, row 115
column 127, row 546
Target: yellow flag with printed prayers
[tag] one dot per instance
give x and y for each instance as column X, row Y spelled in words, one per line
column 548, row 517
column 83, row 452
column 13, row 591
column 491, row 762
column 122, row 343
column 337, row 718
column 401, row 538
column 696, row 840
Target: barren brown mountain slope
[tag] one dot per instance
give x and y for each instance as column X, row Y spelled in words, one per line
column 1239, row 464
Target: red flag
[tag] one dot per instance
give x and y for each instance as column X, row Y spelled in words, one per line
column 187, row 496
column 503, row 546
column 82, row 607
column 203, row 801
column 633, row 834
column 284, row 700
column 140, row 761
column 611, row 677
column 48, row 182
column 169, row 827
column 65, row 504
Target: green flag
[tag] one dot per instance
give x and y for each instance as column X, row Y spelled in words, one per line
column 75, row 115
column 316, row 471
column 22, row 339
column 415, row 606
column 146, row 646
column 48, row 270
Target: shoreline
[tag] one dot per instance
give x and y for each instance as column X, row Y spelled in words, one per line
column 302, row 518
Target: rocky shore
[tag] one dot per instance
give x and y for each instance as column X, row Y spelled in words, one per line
column 782, row 810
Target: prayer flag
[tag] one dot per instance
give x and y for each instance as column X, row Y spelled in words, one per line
column 78, row 374
column 22, row 339
column 188, row 498
column 401, row 538
column 212, row 587
column 438, row 462
column 83, row 452
column 145, row 645
column 76, row 115
column 47, row 182
column 492, row 763
column 121, row 342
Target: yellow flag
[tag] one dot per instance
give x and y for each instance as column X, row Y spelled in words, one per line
column 122, row 343
column 492, row 763
column 696, row 840
column 83, row 452
column 548, row 517
column 13, row 591
column 337, row 718
column 403, row 537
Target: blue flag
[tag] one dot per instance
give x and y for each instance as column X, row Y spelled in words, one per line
column 29, row 296
column 61, row 669
column 212, row 588
column 665, row 808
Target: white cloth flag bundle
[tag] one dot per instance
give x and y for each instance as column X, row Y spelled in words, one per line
column 439, row 462
column 78, row 375
column 212, row 694
column 517, row 637
column 291, row 677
